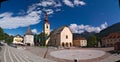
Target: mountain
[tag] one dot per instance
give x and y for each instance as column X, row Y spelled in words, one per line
column 84, row 34
column 111, row 29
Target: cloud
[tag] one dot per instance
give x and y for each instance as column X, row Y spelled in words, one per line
column 49, row 11
column 81, row 28
column 48, row 3
column 68, row 3
column 78, row 2
column 103, row 26
column 34, row 31
column 73, row 3
column 7, row 21
column 34, row 13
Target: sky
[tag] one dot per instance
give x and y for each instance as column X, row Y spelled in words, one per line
column 78, row 15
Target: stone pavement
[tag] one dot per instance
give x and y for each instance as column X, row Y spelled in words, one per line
column 77, row 54
column 105, row 58
column 11, row 54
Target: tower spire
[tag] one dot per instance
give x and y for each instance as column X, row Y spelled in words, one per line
column 46, row 25
column 46, row 18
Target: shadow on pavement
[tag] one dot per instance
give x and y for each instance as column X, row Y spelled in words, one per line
column 114, row 52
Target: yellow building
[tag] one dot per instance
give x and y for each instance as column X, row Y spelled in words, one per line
column 18, row 39
column 79, row 42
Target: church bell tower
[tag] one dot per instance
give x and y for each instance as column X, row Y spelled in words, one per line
column 46, row 25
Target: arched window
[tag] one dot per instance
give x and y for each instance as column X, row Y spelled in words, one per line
column 47, row 26
column 66, row 36
column 63, row 44
column 70, row 44
column 67, row 44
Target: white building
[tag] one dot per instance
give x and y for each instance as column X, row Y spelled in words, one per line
column 29, row 37
column 61, row 37
column 46, row 26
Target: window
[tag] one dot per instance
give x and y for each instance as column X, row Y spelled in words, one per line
column 47, row 27
column 66, row 36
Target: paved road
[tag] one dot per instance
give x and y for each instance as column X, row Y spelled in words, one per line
column 12, row 54
column 112, row 58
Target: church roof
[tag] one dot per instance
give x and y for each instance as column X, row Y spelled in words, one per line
column 28, row 32
column 57, row 31
column 112, row 36
column 79, row 38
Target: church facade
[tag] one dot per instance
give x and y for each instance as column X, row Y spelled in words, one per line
column 61, row 37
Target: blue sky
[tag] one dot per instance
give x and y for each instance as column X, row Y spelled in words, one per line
column 79, row 15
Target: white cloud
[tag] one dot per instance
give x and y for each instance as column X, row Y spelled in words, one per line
column 103, row 26
column 73, row 3
column 49, row 11
column 49, row 6
column 34, row 13
column 78, row 2
column 81, row 28
column 34, row 31
column 58, row 10
column 47, row 3
column 68, row 3
column 7, row 21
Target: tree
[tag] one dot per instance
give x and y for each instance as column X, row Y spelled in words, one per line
column 92, row 41
column 43, row 37
column 8, row 38
column 2, row 35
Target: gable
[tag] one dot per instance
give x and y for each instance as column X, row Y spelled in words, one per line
column 66, row 30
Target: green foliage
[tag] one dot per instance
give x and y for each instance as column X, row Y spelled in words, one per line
column 36, row 38
column 1, row 34
column 42, row 36
column 8, row 39
column 92, row 41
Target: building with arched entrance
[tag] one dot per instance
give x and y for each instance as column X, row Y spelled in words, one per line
column 61, row 37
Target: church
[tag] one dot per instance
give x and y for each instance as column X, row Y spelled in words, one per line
column 60, row 37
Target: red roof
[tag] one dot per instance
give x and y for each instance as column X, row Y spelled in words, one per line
column 79, row 38
column 112, row 35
